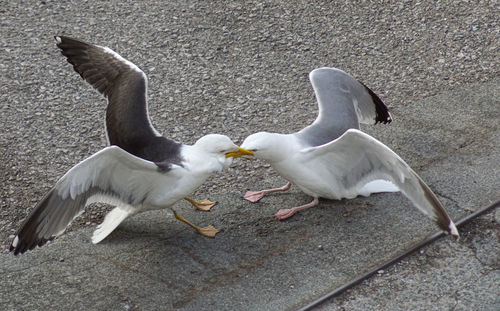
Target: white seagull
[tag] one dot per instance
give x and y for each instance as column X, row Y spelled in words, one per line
column 150, row 171
column 333, row 159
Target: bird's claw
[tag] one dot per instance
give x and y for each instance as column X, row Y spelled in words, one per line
column 208, row 231
column 253, row 196
column 283, row 214
column 202, row 205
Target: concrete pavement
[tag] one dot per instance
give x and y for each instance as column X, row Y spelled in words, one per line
column 236, row 68
column 153, row 262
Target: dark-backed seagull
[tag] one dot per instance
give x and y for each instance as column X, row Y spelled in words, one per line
column 127, row 124
column 333, row 159
column 160, row 173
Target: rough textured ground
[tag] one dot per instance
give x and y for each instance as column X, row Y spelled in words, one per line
column 241, row 67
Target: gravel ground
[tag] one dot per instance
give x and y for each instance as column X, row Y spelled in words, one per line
column 440, row 264
column 217, row 67
column 238, row 68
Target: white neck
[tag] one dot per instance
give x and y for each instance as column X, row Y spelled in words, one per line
column 277, row 147
column 200, row 162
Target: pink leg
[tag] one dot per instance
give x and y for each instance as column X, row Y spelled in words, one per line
column 283, row 214
column 255, row 196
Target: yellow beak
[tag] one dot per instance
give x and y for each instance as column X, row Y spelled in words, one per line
column 241, row 152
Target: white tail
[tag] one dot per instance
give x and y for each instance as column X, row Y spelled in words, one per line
column 112, row 220
column 377, row 186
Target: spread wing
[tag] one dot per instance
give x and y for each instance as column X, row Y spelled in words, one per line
column 359, row 158
column 101, row 67
column 125, row 85
column 343, row 103
column 110, row 174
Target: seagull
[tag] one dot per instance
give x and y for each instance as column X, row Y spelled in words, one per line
column 333, row 159
column 127, row 124
column 160, row 173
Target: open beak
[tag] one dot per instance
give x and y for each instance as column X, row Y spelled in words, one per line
column 241, row 152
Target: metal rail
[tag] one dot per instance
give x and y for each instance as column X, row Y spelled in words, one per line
column 339, row 290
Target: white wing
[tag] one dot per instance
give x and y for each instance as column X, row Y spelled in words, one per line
column 357, row 158
column 343, row 103
column 111, row 173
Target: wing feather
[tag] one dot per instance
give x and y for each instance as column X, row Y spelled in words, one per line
column 95, row 64
column 360, row 158
column 125, row 85
column 110, row 173
column 343, row 103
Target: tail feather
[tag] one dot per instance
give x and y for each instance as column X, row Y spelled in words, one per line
column 112, row 220
column 378, row 186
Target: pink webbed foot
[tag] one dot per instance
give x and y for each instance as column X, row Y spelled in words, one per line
column 283, row 214
column 253, row 196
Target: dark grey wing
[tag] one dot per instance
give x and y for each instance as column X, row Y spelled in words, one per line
column 110, row 175
column 356, row 159
column 43, row 225
column 100, row 66
column 343, row 103
column 125, row 85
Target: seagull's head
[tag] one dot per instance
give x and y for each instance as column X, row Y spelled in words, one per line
column 221, row 147
column 271, row 147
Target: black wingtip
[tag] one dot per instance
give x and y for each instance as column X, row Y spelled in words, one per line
column 27, row 237
column 23, row 245
column 59, row 39
column 67, row 42
column 13, row 249
column 381, row 110
column 18, row 246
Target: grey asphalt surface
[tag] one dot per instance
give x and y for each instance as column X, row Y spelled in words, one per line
column 238, row 68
